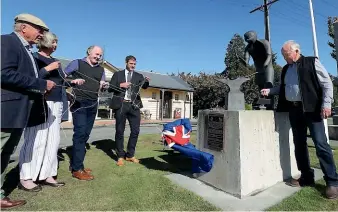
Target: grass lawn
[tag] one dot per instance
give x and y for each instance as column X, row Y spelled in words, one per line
column 132, row 187
column 309, row 199
column 141, row 186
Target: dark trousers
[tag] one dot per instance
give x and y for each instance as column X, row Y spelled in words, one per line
column 84, row 113
column 299, row 123
column 127, row 111
column 9, row 141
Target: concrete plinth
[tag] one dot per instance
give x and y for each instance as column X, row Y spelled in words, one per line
column 333, row 132
column 253, row 150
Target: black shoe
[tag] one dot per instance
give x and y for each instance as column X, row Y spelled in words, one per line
column 59, row 184
column 35, row 189
column 301, row 182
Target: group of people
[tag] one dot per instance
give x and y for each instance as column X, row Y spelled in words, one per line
column 34, row 102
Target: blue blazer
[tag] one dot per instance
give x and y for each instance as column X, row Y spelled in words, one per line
column 18, row 83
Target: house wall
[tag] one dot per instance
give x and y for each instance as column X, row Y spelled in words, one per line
column 152, row 102
column 153, row 105
column 109, row 72
column 182, row 103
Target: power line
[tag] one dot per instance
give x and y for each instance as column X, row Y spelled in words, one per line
column 303, row 7
column 264, row 7
column 331, row 5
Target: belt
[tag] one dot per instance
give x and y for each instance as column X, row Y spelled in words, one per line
column 126, row 100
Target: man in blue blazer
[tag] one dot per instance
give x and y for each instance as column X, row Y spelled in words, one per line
column 20, row 86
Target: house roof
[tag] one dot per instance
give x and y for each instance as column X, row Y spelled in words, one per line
column 165, row 81
column 157, row 80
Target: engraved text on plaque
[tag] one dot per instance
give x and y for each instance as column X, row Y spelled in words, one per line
column 215, row 132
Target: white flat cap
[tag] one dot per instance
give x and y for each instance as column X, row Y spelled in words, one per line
column 31, row 19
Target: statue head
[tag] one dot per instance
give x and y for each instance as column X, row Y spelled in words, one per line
column 250, row 37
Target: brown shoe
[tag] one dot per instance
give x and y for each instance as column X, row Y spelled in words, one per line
column 133, row 159
column 88, row 170
column 6, row 203
column 82, row 175
column 300, row 183
column 120, row 162
column 332, row 192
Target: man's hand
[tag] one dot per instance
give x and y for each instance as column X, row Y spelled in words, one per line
column 125, row 84
column 50, row 85
column 104, row 84
column 326, row 113
column 53, row 66
column 78, row 81
column 147, row 78
column 265, row 92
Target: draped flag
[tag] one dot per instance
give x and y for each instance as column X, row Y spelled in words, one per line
column 176, row 135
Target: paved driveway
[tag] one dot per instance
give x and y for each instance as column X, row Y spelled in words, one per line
column 98, row 133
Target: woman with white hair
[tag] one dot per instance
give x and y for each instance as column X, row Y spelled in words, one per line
column 38, row 157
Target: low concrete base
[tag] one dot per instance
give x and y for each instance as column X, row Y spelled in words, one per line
column 258, row 150
column 335, row 119
column 226, row 202
column 333, row 132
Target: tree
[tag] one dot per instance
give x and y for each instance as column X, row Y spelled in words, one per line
column 330, row 21
column 234, row 65
column 274, row 58
column 208, row 92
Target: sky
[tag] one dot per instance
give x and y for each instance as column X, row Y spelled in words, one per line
column 174, row 35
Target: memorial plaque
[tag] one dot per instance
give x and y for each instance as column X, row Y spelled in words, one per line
column 215, row 132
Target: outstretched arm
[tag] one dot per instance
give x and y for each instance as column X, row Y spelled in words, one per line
column 11, row 78
column 268, row 52
column 325, row 83
column 246, row 56
column 146, row 82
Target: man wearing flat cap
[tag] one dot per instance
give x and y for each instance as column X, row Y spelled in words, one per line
column 20, row 87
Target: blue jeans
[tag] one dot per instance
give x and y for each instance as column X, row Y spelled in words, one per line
column 84, row 113
column 299, row 123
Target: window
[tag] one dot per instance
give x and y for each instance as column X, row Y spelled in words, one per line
column 153, row 95
column 187, row 97
column 176, row 97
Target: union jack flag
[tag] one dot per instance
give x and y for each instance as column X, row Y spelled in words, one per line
column 176, row 135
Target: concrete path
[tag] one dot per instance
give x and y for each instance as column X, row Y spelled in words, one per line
column 98, row 133
column 227, row 202
column 108, row 132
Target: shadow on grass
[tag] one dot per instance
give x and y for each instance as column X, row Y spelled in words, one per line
column 320, row 188
column 61, row 156
column 171, row 162
column 107, row 146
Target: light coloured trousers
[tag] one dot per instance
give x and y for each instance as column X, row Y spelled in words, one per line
column 38, row 155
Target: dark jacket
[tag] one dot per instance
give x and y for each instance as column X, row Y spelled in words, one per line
column 310, row 89
column 19, row 84
column 118, row 93
column 57, row 76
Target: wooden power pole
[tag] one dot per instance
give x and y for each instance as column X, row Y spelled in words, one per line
column 265, row 9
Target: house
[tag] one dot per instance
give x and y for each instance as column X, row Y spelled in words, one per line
column 169, row 94
column 166, row 93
